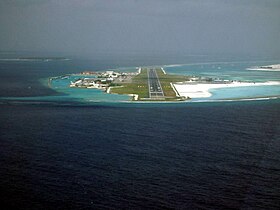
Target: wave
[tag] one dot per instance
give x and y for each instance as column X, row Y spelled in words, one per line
column 238, row 99
column 129, row 103
column 216, row 62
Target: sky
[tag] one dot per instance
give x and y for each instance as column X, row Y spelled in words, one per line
column 141, row 26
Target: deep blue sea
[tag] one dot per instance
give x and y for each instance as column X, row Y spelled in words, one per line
column 63, row 155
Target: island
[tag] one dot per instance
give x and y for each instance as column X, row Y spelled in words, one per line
column 44, row 59
column 147, row 84
column 153, row 84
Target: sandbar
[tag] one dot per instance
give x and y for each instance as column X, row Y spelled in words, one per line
column 202, row 90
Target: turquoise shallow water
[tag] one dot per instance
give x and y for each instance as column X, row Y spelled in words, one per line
column 84, row 94
column 221, row 70
column 65, row 93
column 232, row 71
column 245, row 92
column 226, row 70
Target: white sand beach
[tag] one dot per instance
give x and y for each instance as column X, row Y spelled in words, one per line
column 275, row 67
column 196, row 90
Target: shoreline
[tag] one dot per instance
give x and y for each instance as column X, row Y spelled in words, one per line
column 261, row 69
column 33, row 100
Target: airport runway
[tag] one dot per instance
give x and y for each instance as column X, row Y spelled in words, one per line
column 155, row 89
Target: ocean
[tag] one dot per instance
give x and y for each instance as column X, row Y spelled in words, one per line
column 68, row 154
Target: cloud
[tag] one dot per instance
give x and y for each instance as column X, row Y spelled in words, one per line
column 142, row 25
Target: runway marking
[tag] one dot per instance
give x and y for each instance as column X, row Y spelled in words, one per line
column 155, row 88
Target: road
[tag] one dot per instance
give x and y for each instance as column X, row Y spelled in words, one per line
column 155, row 89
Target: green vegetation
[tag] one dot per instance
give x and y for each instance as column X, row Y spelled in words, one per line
column 166, row 79
column 139, row 86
